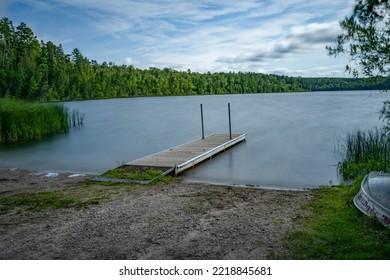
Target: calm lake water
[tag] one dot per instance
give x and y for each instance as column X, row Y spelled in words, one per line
column 290, row 143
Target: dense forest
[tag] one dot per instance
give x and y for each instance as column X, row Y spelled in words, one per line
column 36, row 70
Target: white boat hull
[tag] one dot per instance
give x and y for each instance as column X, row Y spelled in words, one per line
column 370, row 205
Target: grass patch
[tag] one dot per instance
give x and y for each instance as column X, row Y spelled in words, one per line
column 126, row 173
column 136, row 174
column 336, row 230
column 41, row 201
column 23, row 121
column 74, row 197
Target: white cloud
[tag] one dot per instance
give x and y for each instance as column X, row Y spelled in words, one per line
column 111, row 26
column 3, row 7
column 332, row 71
column 128, row 61
column 298, row 40
column 203, row 35
column 131, row 61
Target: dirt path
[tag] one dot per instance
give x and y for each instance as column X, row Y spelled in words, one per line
column 176, row 220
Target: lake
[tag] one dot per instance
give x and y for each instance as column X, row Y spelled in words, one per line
column 291, row 138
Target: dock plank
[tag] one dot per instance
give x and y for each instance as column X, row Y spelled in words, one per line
column 189, row 154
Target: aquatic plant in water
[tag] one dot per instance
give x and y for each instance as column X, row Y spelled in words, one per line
column 76, row 119
column 22, row 121
column 364, row 151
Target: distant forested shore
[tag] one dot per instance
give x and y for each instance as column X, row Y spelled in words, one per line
column 36, row 70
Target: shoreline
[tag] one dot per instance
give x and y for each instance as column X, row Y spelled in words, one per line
column 175, row 220
column 183, row 180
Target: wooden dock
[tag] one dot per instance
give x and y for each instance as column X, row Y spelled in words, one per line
column 182, row 157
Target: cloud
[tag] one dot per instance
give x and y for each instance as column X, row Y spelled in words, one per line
column 316, row 33
column 3, row 7
column 201, row 35
column 163, row 8
column 299, row 39
column 111, row 26
column 336, row 70
column 128, row 61
column 169, row 11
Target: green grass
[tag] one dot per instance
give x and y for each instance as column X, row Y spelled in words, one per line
column 141, row 174
column 124, row 173
column 83, row 195
column 23, row 121
column 38, row 202
column 73, row 197
column 336, row 230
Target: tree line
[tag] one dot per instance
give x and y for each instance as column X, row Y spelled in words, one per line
column 37, row 70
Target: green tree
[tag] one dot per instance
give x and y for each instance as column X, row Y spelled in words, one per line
column 42, row 71
column 7, row 33
column 366, row 38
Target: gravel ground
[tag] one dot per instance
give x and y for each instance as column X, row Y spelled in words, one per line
column 176, row 220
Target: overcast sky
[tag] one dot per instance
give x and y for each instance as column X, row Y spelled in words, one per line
column 267, row 36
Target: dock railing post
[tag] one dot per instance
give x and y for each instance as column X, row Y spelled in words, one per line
column 230, row 122
column 201, row 118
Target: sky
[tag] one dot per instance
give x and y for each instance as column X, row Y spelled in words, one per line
column 283, row 37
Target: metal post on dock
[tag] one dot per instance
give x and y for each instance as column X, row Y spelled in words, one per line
column 201, row 118
column 230, row 122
